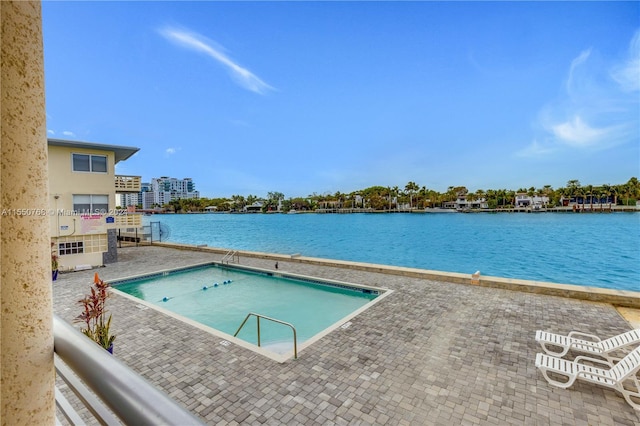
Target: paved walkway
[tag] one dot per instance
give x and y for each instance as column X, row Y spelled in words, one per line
column 431, row 353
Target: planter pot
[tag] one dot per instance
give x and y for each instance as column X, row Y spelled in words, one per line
column 54, row 275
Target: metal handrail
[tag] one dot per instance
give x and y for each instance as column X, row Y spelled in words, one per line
column 258, row 316
column 93, row 404
column 127, row 394
column 230, row 254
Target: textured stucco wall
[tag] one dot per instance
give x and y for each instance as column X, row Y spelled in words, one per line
column 26, row 351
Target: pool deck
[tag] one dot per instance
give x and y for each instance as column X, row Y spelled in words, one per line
column 431, row 353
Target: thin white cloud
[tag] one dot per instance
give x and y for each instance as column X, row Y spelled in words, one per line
column 577, row 133
column 581, row 59
column 68, row 133
column 170, row 151
column 536, row 149
column 242, row 76
column 627, row 75
column 51, row 132
column 594, row 113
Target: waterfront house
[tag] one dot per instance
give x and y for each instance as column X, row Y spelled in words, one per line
column 462, row 204
column 449, row 205
column 256, row 207
column 535, row 202
column 82, row 206
column 580, row 200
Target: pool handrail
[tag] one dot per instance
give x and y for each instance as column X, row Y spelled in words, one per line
column 231, row 254
column 127, row 394
column 258, row 316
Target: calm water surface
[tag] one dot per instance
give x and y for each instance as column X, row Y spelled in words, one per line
column 601, row 250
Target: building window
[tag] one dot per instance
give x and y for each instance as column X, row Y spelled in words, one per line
column 89, row 163
column 90, row 204
column 74, row 247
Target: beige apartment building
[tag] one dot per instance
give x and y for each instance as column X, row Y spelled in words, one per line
column 82, row 207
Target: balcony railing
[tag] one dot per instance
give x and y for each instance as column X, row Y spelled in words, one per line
column 91, row 372
column 127, row 183
column 129, row 220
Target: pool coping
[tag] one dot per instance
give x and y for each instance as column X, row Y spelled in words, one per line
column 228, row 339
column 623, row 298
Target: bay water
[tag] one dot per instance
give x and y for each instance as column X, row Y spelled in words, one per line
column 598, row 249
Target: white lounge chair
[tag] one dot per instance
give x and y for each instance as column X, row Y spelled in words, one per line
column 578, row 341
column 613, row 376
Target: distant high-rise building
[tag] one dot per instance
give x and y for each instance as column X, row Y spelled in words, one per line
column 146, row 195
column 129, row 200
column 165, row 189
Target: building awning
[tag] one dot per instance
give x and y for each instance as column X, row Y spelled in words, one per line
column 121, row 152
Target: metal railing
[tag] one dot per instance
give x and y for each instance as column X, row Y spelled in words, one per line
column 132, row 399
column 232, row 255
column 127, row 183
column 258, row 316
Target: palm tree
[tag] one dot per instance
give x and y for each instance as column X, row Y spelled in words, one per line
column 411, row 188
column 422, row 195
column 634, row 187
column 501, row 194
column 606, row 192
column 562, row 193
column 589, row 190
column 573, row 186
column 395, row 190
column 492, row 194
column 480, row 195
column 531, row 191
column 580, row 194
column 511, row 196
column 238, row 202
column 626, row 190
column 614, row 192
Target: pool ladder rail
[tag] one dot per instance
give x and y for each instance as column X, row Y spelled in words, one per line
column 231, row 255
column 258, row 316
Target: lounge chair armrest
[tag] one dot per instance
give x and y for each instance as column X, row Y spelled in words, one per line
column 589, row 373
column 577, row 333
column 584, row 343
column 581, row 358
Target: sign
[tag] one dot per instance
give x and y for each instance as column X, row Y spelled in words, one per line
column 91, row 224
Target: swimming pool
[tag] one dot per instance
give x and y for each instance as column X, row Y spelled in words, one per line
column 221, row 297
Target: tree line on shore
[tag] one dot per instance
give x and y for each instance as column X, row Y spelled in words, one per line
column 412, row 196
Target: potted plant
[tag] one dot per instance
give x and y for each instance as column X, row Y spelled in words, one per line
column 94, row 315
column 54, row 262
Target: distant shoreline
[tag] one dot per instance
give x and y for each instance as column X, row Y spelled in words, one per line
column 585, row 209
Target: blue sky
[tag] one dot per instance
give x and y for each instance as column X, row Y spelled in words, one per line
column 315, row 97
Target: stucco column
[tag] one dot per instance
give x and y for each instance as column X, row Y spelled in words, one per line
column 26, row 350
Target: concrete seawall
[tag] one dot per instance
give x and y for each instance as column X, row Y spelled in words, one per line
column 624, row 298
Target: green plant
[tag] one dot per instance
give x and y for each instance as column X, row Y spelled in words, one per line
column 94, row 314
column 54, row 257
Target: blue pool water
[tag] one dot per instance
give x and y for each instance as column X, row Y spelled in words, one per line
column 601, row 250
column 310, row 307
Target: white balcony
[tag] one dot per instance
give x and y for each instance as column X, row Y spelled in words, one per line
column 129, row 220
column 125, row 184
